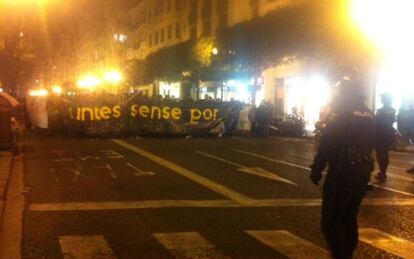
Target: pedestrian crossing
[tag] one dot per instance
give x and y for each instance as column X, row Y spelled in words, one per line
column 194, row 245
column 85, row 247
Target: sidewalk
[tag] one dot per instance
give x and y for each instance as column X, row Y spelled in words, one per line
column 6, row 161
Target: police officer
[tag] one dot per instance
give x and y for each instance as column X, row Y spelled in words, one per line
column 346, row 147
column 384, row 119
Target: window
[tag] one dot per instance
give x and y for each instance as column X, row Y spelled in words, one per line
column 156, row 38
column 162, row 35
column 169, row 2
column 207, row 28
column 150, row 40
column 177, row 30
column 193, row 32
column 170, row 32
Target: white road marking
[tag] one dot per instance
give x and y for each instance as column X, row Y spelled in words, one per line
column 77, row 173
column 188, row 245
column 85, row 247
column 216, row 187
column 308, row 169
column 139, row 172
column 401, row 161
column 112, row 154
column 400, row 177
column 250, row 170
column 110, row 170
column 61, row 158
column 301, row 156
column 87, row 157
column 272, row 159
column 401, row 154
column 154, row 204
column 392, row 190
column 389, row 243
column 289, row 244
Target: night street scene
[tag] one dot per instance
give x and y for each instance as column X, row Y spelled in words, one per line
column 206, row 129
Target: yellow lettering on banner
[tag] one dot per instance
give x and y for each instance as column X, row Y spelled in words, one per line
column 166, row 113
column 134, row 111
column 105, row 113
column 70, row 113
column 117, row 111
column 195, row 115
column 96, row 113
column 208, row 114
column 144, row 111
column 78, row 114
column 215, row 114
column 176, row 113
column 87, row 110
column 155, row 109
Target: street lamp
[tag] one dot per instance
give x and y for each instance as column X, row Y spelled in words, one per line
column 113, row 77
column 22, row 2
column 214, row 51
column 57, row 89
column 89, row 82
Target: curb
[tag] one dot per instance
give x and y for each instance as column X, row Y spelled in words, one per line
column 6, row 162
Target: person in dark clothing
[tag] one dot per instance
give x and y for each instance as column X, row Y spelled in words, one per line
column 263, row 118
column 346, row 146
column 384, row 120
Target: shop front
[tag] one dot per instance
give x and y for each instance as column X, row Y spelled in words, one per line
column 297, row 87
column 243, row 90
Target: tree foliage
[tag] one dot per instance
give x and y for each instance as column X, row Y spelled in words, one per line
column 17, row 49
column 318, row 30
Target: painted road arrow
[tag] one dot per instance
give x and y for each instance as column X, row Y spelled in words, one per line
column 258, row 171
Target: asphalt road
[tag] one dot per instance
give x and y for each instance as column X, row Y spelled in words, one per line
column 195, row 198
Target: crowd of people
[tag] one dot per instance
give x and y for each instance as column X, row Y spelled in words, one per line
column 255, row 121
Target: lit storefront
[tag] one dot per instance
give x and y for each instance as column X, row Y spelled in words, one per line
column 172, row 90
column 245, row 91
column 308, row 95
column 297, row 85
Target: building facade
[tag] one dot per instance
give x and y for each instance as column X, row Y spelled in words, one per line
column 157, row 24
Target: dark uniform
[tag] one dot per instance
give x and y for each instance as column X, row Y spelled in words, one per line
column 385, row 135
column 346, row 146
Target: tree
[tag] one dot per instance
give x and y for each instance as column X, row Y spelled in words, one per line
column 17, row 49
column 314, row 29
column 135, row 72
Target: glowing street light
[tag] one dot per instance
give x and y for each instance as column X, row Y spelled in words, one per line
column 214, row 51
column 89, row 82
column 38, row 92
column 392, row 36
column 57, row 89
column 24, row 2
column 113, row 77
